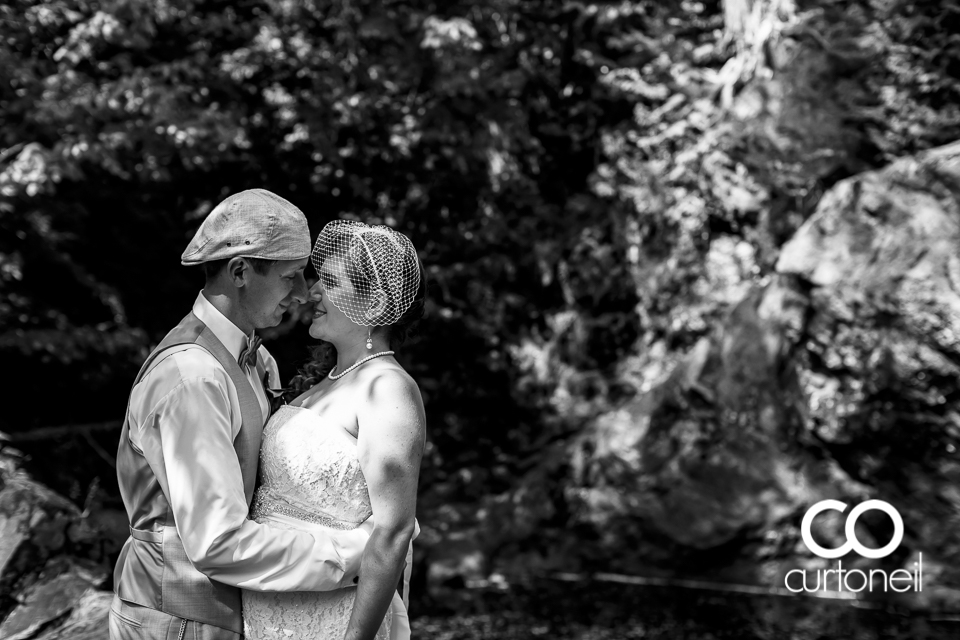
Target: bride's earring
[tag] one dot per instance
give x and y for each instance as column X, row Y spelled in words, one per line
column 369, row 340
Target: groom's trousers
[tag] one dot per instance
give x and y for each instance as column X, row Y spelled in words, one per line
column 133, row 622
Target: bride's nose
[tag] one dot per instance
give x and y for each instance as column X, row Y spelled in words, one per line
column 316, row 292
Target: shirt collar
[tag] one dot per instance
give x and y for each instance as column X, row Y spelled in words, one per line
column 226, row 332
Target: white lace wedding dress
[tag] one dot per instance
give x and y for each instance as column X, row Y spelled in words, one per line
column 310, row 477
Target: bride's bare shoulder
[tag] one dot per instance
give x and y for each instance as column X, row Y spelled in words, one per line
column 390, row 378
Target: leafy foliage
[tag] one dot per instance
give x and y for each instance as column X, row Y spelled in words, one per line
column 473, row 127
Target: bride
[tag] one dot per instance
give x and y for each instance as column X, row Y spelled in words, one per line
column 350, row 444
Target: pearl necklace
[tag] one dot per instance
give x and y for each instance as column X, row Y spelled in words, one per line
column 357, row 364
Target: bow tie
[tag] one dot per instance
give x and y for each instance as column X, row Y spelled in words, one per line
column 248, row 357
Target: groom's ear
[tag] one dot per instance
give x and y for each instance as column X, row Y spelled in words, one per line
column 238, row 270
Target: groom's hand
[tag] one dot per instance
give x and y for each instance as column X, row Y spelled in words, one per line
column 368, row 525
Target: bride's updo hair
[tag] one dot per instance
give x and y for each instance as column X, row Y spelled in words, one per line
column 323, row 357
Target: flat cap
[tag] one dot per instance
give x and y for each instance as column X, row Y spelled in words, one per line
column 254, row 224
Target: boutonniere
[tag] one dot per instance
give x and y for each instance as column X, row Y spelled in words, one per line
column 275, row 396
column 273, row 393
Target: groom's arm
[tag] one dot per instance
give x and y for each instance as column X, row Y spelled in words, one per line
column 204, row 486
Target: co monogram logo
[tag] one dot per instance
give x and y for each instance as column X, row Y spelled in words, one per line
column 852, row 542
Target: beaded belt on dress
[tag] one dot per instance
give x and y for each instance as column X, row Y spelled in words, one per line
column 265, row 504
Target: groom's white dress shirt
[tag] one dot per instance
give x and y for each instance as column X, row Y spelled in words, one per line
column 190, row 397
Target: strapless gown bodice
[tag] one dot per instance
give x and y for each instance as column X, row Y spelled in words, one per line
column 309, row 470
column 310, row 478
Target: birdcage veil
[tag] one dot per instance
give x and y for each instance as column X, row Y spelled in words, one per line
column 371, row 273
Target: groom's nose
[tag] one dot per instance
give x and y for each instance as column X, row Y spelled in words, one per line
column 299, row 292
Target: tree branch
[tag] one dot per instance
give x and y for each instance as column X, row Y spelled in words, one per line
column 49, row 433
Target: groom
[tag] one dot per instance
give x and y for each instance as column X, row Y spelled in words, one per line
column 189, row 447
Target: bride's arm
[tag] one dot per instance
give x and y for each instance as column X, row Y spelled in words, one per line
column 391, row 435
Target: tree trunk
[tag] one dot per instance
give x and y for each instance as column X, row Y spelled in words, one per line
column 747, row 21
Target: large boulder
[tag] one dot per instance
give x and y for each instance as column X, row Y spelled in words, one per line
column 880, row 364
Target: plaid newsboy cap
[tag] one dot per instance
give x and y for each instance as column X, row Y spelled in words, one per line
column 254, row 224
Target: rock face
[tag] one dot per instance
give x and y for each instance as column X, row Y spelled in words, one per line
column 839, row 377
column 53, row 558
column 711, row 459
